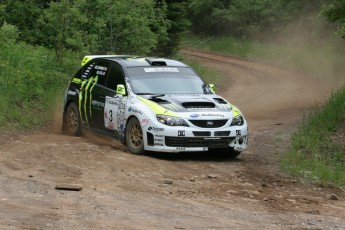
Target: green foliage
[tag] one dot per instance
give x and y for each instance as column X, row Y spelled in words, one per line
column 335, row 13
column 8, row 34
column 63, row 24
column 23, row 14
column 134, row 27
column 30, row 83
column 178, row 24
column 2, row 13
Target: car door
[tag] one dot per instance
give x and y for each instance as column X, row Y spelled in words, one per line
column 115, row 104
column 94, row 90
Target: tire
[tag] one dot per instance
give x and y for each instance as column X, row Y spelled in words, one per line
column 134, row 137
column 72, row 123
column 225, row 152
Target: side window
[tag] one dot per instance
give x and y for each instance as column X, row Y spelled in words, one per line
column 116, row 77
column 99, row 69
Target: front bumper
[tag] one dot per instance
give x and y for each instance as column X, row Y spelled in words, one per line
column 187, row 139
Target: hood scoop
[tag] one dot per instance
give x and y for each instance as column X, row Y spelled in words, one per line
column 198, row 105
column 220, row 100
column 159, row 101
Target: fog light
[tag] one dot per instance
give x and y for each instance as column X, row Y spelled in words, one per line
column 240, row 141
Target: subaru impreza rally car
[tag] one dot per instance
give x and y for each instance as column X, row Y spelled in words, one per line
column 152, row 104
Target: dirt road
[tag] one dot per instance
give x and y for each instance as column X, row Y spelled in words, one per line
column 174, row 191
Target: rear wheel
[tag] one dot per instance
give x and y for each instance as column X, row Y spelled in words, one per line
column 134, row 137
column 72, row 123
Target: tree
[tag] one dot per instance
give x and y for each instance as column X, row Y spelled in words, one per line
column 133, row 27
column 24, row 15
column 63, row 23
column 178, row 24
column 335, row 13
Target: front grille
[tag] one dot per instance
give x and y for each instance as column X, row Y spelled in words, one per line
column 201, row 133
column 198, row 141
column 209, row 123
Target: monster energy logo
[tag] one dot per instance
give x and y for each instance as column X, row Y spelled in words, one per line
column 85, row 97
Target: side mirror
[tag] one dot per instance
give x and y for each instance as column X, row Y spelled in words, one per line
column 120, row 89
column 212, row 88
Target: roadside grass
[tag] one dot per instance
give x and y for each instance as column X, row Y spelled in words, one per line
column 317, row 150
column 31, row 82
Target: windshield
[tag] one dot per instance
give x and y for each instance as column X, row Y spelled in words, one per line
column 166, row 80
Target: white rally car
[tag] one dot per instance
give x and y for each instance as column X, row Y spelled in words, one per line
column 152, row 104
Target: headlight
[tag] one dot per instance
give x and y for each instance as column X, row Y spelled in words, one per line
column 237, row 121
column 171, row 121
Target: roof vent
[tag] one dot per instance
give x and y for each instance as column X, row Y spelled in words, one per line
column 156, row 62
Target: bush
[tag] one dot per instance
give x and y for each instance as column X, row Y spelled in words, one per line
column 8, row 34
column 30, row 83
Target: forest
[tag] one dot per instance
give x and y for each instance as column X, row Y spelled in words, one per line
column 154, row 26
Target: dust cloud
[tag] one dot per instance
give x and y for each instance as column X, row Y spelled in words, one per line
column 56, row 128
column 306, row 64
column 309, row 44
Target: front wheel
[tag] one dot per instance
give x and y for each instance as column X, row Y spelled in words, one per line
column 72, row 123
column 134, row 137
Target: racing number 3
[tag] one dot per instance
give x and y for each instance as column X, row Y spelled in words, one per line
column 111, row 115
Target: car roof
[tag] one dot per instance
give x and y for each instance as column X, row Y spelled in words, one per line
column 135, row 61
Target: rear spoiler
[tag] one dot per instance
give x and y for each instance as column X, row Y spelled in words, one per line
column 87, row 58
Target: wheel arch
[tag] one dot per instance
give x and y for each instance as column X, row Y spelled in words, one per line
column 125, row 129
column 66, row 104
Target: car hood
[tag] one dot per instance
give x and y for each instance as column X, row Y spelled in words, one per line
column 192, row 103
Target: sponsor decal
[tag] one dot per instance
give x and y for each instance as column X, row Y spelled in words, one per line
column 130, row 109
column 158, row 135
column 158, row 144
column 97, row 104
column 181, row 133
column 238, row 133
column 209, row 123
column 99, row 72
column 98, row 67
column 159, row 140
column 212, row 138
column 164, row 69
column 154, row 129
column 70, row 92
column 113, row 102
column 212, row 115
column 194, row 115
column 180, row 148
column 111, row 125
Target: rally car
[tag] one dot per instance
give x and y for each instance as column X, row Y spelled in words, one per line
column 152, row 104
